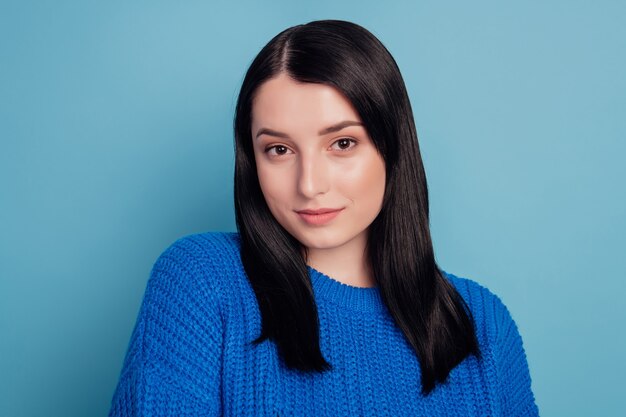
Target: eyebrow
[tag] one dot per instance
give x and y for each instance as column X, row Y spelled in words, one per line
column 330, row 129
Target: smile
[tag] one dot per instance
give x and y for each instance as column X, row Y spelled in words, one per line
column 319, row 218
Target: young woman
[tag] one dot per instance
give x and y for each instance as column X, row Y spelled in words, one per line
column 328, row 300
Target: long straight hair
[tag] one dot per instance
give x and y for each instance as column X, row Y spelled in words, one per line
column 428, row 310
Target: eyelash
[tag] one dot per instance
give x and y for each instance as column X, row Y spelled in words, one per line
column 267, row 150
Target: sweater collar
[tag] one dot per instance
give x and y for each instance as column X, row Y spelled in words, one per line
column 355, row 298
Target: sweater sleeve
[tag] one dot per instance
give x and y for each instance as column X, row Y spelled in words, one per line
column 173, row 360
column 516, row 396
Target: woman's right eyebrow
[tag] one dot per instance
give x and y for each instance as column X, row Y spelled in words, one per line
column 270, row 132
column 330, row 129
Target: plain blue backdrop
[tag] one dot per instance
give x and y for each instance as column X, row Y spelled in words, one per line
column 116, row 139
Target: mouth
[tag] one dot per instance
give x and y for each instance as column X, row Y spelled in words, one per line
column 318, row 211
column 320, row 216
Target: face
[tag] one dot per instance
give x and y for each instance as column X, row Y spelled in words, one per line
column 312, row 153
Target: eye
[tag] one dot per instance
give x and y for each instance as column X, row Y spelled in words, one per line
column 344, row 144
column 279, row 150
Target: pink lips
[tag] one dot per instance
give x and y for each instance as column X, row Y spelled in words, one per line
column 320, row 216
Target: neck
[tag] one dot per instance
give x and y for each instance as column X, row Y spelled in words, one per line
column 347, row 263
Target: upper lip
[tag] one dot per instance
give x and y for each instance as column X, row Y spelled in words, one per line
column 318, row 211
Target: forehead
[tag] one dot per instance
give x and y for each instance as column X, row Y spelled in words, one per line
column 284, row 103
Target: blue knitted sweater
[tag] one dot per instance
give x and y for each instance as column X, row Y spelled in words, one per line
column 189, row 353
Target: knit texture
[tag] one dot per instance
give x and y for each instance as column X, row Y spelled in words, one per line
column 189, row 353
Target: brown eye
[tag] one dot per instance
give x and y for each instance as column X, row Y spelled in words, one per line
column 344, row 144
column 278, row 150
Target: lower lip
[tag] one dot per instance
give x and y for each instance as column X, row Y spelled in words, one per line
column 319, row 219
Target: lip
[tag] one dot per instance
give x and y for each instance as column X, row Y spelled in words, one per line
column 318, row 211
column 320, row 216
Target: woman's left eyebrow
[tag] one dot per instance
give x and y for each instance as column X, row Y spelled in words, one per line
column 337, row 127
column 330, row 129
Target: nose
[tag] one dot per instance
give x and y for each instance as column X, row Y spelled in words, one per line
column 313, row 177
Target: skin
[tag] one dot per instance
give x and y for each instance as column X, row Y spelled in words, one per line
column 306, row 170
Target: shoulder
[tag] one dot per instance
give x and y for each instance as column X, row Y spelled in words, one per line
column 490, row 314
column 202, row 252
column 207, row 246
column 501, row 347
column 199, row 262
column 471, row 291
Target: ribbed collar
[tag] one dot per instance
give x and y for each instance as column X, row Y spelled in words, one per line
column 355, row 298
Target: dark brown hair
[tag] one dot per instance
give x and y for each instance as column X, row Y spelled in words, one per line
column 425, row 306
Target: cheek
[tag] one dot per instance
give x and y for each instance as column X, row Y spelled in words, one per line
column 272, row 185
column 366, row 182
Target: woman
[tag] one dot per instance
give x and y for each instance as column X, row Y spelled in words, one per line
column 328, row 300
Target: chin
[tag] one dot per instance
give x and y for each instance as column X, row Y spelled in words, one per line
column 318, row 242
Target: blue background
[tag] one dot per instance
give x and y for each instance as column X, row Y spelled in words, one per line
column 116, row 139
